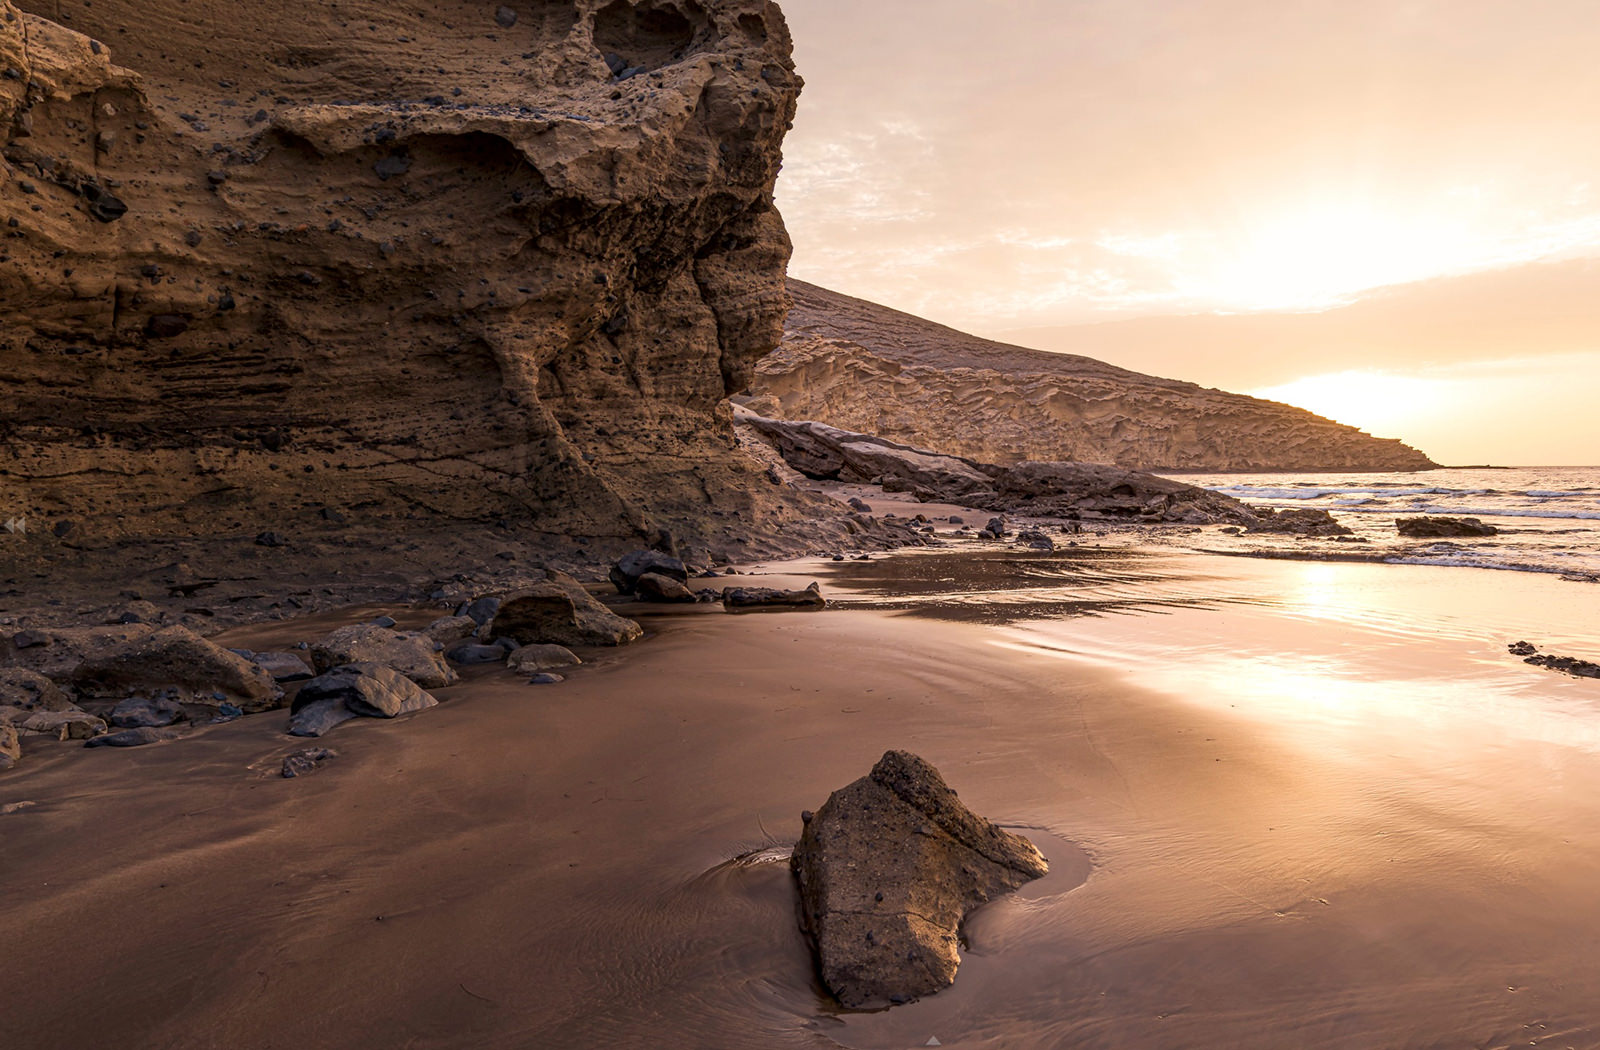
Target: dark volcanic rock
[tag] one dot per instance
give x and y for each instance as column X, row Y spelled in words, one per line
column 132, row 738
column 653, row 587
column 372, row 690
column 140, row 712
column 1436, row 526
column 1297, row 521
column 175, row 658
column 1087, row 491
column 474, row 653
column 1566, row 664
column 561, row 612
column 625, row 574
column 888, row 868
column 768, row 597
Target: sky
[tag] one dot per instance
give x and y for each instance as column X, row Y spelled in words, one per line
column 1383, row 210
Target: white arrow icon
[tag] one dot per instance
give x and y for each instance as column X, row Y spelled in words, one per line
column 17, row 525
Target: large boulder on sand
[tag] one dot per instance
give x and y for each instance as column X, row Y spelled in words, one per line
column 888, row 868
column 559, row 611
column 175, row 658
column 1437, row 526
column 415, row 656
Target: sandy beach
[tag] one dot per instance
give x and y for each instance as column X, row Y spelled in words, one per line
column 1300, row 805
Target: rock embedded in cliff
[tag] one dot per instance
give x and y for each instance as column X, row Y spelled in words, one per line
column 560, row 611
column 887, row 870
column 30, row 691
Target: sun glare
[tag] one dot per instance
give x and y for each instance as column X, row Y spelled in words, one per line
column 1377, row 402
column 1319, row 256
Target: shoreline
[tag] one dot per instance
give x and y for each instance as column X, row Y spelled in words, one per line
column 1328, row 855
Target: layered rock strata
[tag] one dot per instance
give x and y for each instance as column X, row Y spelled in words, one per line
column 862, row 367
column 311, row 268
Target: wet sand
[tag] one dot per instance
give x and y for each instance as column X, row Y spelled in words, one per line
column 1285, row 805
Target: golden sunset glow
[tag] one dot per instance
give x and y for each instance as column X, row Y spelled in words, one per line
column 1291, row 200
column 1377, row 402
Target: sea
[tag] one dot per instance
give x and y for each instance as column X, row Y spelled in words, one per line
column 1548, row 517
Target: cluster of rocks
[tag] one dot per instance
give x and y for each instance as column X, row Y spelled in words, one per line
column 655, row 576
column 1088, row 492
column 133, row 684
column 1565, row 664
column 1296, row 521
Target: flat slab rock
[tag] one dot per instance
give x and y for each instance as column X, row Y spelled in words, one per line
column 887, row 870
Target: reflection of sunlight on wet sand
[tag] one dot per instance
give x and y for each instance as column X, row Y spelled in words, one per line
column 1353, row 655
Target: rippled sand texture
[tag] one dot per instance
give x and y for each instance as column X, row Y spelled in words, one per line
column 1316, row 806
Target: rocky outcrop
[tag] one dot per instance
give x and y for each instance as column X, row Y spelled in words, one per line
column 354, row 691
column 1076, row 491
column 560, row 612
column 1438, row 526
column 414, row 655
column 1297, row 521
column 306, row 269
column 862, row 367
column 809, row 597
column 176, row 659
column 888, row 868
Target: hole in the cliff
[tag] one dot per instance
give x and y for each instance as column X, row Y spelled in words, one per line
column 647, row 36
column 754, row 25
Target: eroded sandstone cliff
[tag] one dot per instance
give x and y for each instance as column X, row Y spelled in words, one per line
column 863, row 367
column 313, row 265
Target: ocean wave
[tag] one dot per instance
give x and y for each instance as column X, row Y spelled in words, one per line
column 1263, row 492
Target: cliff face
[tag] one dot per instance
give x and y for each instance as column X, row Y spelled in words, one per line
column 866, row 368
column 267, row 264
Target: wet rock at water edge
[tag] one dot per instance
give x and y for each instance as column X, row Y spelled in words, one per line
column 354, row 691
column 541, row 658
column 653, row 587
column 1438, row 526
column 306, row 761
column 770, row 598
column 474, row 653
column 133, row 737
column 888, row 869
